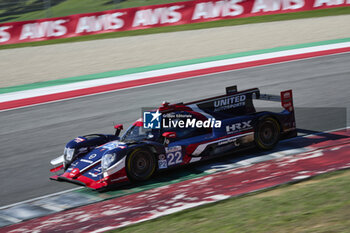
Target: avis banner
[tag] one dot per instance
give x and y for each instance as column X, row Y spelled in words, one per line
column 153, row 16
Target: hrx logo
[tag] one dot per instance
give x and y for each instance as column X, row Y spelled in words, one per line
column 152, row 120
column 236, row 127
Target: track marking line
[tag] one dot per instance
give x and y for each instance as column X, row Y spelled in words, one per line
column 149, row 74
column 3, row 109
column 39, row 198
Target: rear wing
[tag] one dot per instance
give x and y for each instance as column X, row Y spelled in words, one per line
column 233, row 103
column 286, row 97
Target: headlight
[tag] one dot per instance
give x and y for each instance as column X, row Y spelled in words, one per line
column 68, row 153
column 107, row 160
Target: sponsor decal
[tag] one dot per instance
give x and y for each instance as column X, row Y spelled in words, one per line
column 94, row 174
column 105, row 22
column 287, row 101
column 86, row 161
column 113, row 145
column 276, row 5
column 237, row 127
column 120, row 178
column 43, row 30
column 74, row 172
column 320, row 3
column 229, row 141
column 78, row 140
column 286, row 95
column 176, row 13
column 92, row 156
column 4, row 34
column 162, row 162
column 161, row 15
column 217, row 9
column 229, row 102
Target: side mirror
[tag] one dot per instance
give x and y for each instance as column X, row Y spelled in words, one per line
column 118, row 128
column 169, row 134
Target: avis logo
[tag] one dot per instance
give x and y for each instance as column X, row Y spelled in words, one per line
column 151, row 120
column 236, row 127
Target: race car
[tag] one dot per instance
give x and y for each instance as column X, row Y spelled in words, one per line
column 175, row 135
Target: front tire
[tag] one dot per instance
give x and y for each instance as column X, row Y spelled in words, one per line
column 267, row 133
column 140, row 164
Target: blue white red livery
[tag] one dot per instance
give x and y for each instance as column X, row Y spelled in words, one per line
column 189, row 132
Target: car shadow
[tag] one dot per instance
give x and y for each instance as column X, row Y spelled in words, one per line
column 198, row 169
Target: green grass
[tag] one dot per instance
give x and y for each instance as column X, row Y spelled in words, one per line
column 220, row 23
column 321, row 204
column 36, row 9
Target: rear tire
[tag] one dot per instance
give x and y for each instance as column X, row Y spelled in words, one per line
column 140, row 164
column 267, row 133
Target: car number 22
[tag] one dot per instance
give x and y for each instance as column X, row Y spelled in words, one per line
column 174, row 155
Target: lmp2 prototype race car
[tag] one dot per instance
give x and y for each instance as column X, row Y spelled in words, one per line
column 175, row 135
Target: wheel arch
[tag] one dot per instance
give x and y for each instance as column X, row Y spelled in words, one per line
column 257, row 139
column 128, row 161
column 264, row 115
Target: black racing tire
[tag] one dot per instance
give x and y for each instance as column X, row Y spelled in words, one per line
column 267, row 133
column 140, row 164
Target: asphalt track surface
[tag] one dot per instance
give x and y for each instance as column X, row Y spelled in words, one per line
column 30, row 137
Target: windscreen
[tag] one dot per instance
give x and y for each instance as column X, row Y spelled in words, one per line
column 138, row 133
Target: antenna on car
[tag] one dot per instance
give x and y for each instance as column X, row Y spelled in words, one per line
column 165, row 104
